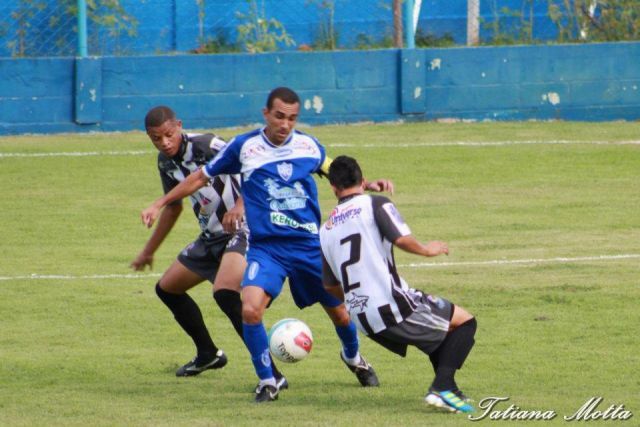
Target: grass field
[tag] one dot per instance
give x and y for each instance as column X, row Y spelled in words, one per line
column 543, row 222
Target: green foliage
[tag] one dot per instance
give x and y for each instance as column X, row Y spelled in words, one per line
column 509, row 26
column 23, row 16
column 258, row 33
column 575, row 20
column 96, row 347
column 217, row 44
column 327, row 38
column 108, row 15
column 367, row 41
column 591, row 20
column 112, row 16
column 423, row 39
column 561, row 13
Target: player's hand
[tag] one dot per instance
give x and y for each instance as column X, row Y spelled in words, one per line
column 233, row 219
column 435, row 248
column 380, row 185
column 141, row 261
column 149, row 215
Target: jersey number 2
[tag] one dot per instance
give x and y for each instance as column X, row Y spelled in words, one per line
column 354, row 256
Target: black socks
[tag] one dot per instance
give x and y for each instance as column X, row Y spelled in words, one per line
column 451, row 355
column 188, row 315
column 231, row 305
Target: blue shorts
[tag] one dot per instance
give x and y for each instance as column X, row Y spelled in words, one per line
column 270, row 261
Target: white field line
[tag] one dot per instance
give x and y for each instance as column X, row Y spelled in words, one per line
column 558, row 260
column 497, row 262
column 481, row 144
column 338, row 145
column 79, row 154
column 80, row 277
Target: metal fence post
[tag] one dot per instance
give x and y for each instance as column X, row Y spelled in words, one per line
column 87, row 77
column 82, row 28
column 409, row 27
column 473, row 22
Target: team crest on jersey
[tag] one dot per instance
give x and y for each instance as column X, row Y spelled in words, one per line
column 357, row 302
column 285, row 170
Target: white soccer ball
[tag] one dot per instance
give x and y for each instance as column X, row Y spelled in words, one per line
column 290, row 340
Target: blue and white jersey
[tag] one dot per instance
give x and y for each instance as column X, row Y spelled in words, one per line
column 279, row 192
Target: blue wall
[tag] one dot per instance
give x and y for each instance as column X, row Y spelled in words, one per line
column 589, row 82
column 571, row 82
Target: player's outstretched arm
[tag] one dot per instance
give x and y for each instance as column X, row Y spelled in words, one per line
column 412, row 245
column 379, row 185
column 167, row 220
column 191, row 184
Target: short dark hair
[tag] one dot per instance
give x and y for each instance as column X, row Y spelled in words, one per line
column 157, row 116
column 286, row 95
column 345, row 172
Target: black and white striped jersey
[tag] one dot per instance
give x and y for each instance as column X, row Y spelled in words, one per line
column 211, row 202
column 357, row 248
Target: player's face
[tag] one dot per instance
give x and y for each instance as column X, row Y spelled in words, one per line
column 280, row 120
column 167, row 137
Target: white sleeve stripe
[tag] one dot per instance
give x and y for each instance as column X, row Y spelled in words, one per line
column 396, row 219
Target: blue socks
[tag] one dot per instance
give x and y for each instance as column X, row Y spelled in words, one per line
column 255, row 338
column 349, row 337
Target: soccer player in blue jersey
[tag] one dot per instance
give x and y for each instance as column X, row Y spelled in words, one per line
column 283, row 214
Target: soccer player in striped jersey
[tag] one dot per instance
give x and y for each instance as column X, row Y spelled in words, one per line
column 216, row 255
column 276, row 163
column 359, row 268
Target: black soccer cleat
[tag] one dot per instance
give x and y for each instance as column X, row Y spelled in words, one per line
column 198, row 365
column 266, row 393
column 281, row 383
column 364, row 372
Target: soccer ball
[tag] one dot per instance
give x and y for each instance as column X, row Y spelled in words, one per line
column 290, row 340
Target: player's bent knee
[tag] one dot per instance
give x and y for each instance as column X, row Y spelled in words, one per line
column 251, row 315
column 254, row 303
column 168, row 287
